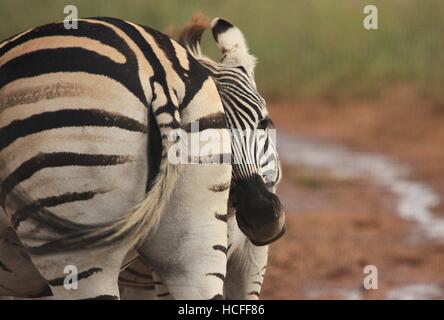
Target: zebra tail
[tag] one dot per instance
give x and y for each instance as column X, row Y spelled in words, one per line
column 191, row 34
column 127, row 231
column 132, row 227
column 147, row 214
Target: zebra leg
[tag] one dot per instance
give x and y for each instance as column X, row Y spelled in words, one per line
column 90, row 275
column 18, row 276
column 136, row 282
column 245, row 274
column 246, row 265
column 162, row 291
column 188, row 250
column 139, row 282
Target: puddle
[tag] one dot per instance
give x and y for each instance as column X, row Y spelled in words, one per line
column 415, row 199
column 343, row 294
column 421, row 291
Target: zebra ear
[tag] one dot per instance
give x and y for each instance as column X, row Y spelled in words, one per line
column 231, row 42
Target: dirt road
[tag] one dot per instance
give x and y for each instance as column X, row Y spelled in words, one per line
column 363, row 184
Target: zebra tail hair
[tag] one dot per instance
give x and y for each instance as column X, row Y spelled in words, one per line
column 191, row 34
column 146, row 216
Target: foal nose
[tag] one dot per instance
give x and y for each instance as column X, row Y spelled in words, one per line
column 259, row 212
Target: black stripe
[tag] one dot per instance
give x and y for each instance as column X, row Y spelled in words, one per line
column 135, row 283
column 161, row 109
column 233, row 115
column 27, row 211
column 220, row 248
column 66, row 118
column 242, row 90
column 74, row 59
column 58, row 159
column 48, row 219
column 237, row 81
column 242, row 104
column 103, row 297
column 217, row 297
column 220, row 27
column 212, row 121
column 159, row 72
column 164, row 294
column 254, row 293
column 217, row 274
column 220, row 187
column 82, row 275
column 86, row 29
column 221, row 217
column 192, row 78
column 257, row 282
column 71, row 60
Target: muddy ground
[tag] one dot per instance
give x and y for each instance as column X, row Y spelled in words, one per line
column 338, row 225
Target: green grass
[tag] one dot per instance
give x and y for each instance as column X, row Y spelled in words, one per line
column 305, row 47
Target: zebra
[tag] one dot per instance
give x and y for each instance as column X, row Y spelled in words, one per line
column 246, row 262
column 246, row 269
column 166, row 88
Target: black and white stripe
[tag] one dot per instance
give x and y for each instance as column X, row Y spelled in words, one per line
column 85, row 120
column 253, row 146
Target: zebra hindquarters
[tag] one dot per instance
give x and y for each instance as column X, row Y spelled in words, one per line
column 73, row 153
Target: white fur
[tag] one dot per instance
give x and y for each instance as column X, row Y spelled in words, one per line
column 233, row 45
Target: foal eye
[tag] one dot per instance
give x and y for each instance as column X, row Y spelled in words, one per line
column 263, row 124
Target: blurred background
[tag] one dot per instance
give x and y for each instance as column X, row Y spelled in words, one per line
column 360, row 121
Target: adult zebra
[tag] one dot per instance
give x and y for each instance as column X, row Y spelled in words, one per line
column 54, row 106
column 246, row 262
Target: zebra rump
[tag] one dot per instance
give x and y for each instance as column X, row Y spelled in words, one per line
column 127, row 230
